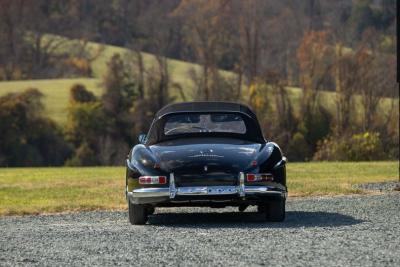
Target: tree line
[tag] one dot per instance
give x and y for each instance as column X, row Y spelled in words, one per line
column 346, row 47
column 247, row 37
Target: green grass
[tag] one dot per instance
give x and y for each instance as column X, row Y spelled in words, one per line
column 335, row 178
column 49, row 190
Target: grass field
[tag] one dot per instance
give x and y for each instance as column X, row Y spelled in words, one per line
column 56, row 93
column 49, row 190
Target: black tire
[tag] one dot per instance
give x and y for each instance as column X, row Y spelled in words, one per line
column 275, row 211
column 137, row 214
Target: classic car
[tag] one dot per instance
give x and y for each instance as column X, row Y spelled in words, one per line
column 209, row 154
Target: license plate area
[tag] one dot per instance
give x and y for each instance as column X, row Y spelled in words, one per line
column 228, row 190
column 207, row 190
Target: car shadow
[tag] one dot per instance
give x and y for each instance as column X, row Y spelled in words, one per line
column 294, row 219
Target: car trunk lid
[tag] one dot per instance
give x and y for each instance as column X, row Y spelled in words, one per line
column 205, row 161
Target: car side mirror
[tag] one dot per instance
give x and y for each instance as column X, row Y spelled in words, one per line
column 142, row 138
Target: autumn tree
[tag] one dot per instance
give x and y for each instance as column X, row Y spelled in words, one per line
column 375, row 77
column 315, row 62
column 314, row 57
column 274, row 108
column 345, row 72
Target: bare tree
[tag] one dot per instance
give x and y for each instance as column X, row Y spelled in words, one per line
column 250, row 23
column 283, row 120
column 373, row 78
column 346, row 77
column 207, row 36
column 30, row 46
column 314, row 56
column 11, row 38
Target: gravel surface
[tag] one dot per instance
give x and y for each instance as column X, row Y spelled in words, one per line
column 383, row 186
column 352, row 230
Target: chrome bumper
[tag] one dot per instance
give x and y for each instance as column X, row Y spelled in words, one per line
column 242, row 190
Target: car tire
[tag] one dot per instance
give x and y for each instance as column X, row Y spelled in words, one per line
column 137, row 214
column 275, row 211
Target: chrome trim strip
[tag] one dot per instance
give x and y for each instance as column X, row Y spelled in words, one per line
column 222, row 190
column 257, row 189
column 149, row 192
column 202, row 201
column 172, row 188
column 241, row 188
column 192, row 191
column 262, row 190
column 207, row 190
column 171, row 192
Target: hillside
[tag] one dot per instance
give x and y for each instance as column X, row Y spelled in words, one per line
column 56, row 91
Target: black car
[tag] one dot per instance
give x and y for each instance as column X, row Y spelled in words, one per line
column 205, row 154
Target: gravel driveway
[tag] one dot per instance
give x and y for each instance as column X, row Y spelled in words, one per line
column 357, row 230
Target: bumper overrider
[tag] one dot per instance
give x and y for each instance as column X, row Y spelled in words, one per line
column 177, row 194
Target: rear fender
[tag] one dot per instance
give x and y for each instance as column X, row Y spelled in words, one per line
column 271, row 160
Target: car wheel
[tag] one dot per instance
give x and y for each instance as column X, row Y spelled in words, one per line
column 137, row 214
column 275, row 211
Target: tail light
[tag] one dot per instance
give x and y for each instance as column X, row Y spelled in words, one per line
column 152, row 180
column 259, row 177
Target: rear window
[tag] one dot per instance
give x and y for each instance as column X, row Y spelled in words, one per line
column 204, row 123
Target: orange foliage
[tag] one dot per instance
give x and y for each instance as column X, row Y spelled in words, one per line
column 314, row 47
column 314, row 59
column 79, row 64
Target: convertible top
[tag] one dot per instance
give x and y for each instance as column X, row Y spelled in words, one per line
column 206, row 107
column 253, row 132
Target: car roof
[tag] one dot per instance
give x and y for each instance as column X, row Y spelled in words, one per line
column 253, row 132
column 206, row 106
